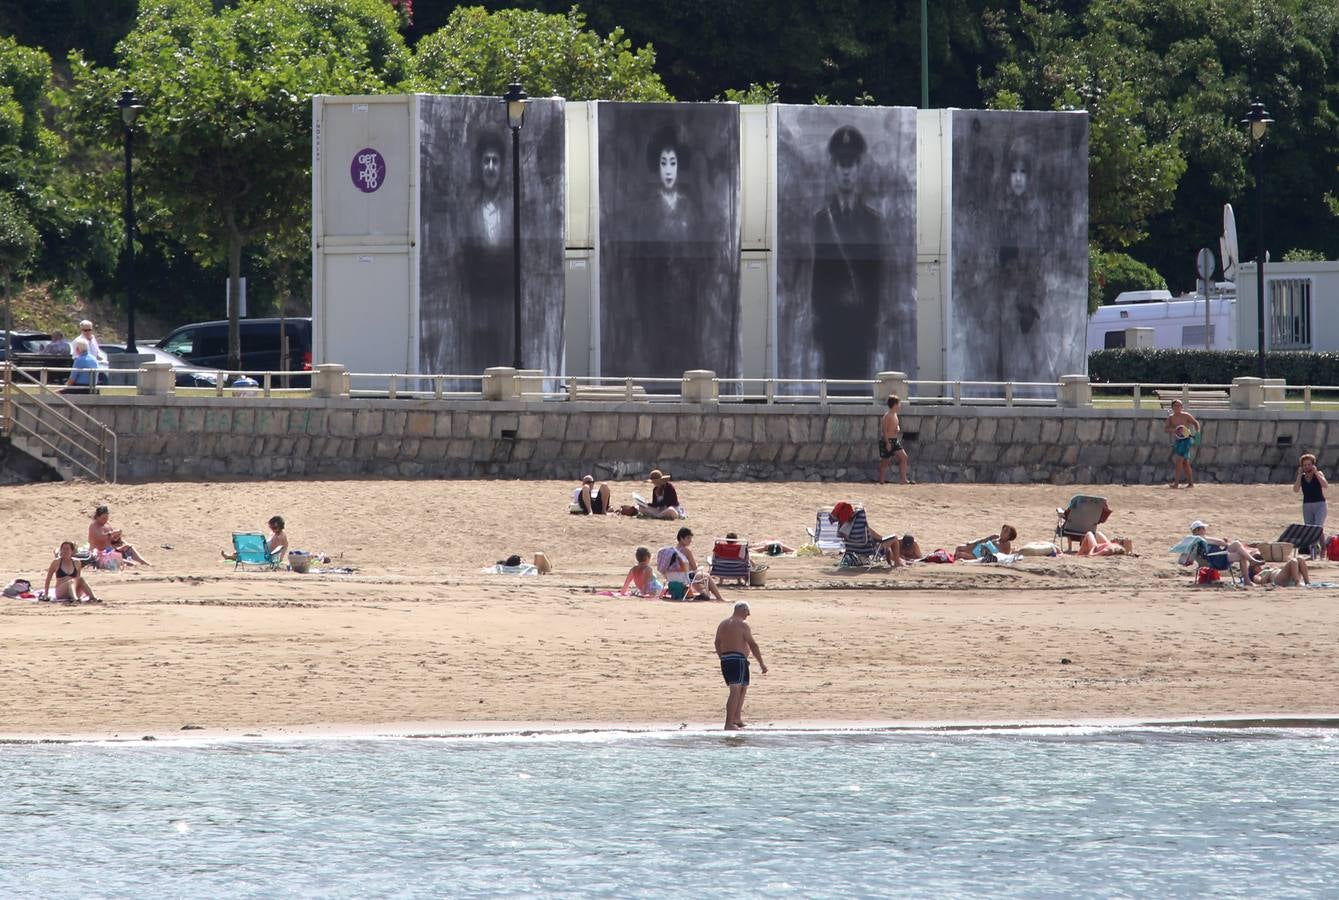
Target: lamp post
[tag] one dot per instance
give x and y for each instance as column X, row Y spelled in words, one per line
column 1259, row 121
column 130, row 108
column 515, row 99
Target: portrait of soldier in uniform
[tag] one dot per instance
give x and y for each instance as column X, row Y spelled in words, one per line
column 848, row 264
column 846, row 242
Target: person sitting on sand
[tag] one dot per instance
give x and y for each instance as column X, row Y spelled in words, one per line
column 642, row 578
column 593, row 500
column 1095, row 543
column 1236, row 550
column 1292, row 573
column 664, row 499
column 68, row 573
column 276, row 545
column 994, row 543
column 104, row 539
column 683, row 570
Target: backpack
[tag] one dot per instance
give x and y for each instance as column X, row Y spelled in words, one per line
column 1332, row 549
column 1208, row 576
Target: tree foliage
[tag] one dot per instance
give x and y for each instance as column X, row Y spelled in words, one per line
column 478, row 52
column 225, row 148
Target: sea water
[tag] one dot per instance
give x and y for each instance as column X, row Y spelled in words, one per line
column 1029, row 812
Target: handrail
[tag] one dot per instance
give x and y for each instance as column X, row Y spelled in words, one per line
column 59, row 424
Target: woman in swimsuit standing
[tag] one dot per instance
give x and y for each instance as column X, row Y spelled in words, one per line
column 70, row 584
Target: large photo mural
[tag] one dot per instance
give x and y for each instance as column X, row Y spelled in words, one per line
column 845, row 241
column 466, row 305
column 1019, row 301
column 669, row 236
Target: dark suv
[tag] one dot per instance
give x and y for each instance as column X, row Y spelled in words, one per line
column 205, row 344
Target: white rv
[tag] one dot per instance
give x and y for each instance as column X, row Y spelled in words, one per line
column 1175, row 323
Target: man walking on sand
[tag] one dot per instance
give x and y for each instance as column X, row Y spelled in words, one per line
column 734, row 642
column 1183, row 427
column 890, row 443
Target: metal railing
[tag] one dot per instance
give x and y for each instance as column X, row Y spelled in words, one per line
column 534, row 386
column 36, row 412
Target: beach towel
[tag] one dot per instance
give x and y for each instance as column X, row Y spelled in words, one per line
column 499, row 569
column 1039, row 548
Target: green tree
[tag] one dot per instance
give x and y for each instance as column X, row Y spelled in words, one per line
column 478, row 52
column 224, row 155
column 1051, row 60
column 40, row 185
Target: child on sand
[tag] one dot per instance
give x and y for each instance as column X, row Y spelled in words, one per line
column 642, row 577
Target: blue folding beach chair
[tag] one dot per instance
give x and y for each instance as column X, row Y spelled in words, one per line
column 251, row 550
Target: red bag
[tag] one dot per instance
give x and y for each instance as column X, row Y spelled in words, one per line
column 1208, row 575
column 1332, row 549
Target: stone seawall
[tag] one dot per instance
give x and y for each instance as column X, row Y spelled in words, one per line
column 215, row 438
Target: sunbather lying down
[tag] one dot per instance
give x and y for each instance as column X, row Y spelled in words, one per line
column 771, row 546
column 1095, row 543
column 994, row 543
column 1292, row 573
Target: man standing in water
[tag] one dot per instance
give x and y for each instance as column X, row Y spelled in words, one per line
column 1182, row 426
column 734, row 642
column 890, row 443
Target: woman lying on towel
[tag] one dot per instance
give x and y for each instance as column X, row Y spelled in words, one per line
column 994, row 543
column 1292, row 573
column 1095, row 543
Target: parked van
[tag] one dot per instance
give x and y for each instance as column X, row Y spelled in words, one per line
column 1175, row 323
column 205, row 344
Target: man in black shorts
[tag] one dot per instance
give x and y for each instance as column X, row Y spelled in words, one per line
column 890, row 443
column 734, row 642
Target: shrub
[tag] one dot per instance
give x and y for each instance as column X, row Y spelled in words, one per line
column 1182, row 366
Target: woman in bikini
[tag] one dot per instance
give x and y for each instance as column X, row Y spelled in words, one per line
column 70, row 584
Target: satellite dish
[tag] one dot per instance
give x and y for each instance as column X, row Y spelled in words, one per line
column 1231, row 252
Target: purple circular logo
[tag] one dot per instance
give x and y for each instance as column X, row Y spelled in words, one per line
column 368, row 170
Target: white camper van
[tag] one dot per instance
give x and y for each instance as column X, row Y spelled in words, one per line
column 1175, row 323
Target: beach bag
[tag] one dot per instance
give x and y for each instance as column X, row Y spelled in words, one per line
column 1208, row 575
column 665, row 558
column 17, row 587
column 1039, row 548
column 627, row 510
column 1332, row 549
column 1276, row 552
column 677, row 590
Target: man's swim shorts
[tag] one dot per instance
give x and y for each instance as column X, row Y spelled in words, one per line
column 735, row 668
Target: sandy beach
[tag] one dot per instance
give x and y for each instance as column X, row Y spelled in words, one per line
column 416, row 639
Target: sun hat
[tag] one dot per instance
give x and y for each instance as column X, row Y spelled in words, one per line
column 655, row 475
column 587, row 479
column 1196, row 526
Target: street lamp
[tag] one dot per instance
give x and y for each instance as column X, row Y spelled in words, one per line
column 130, row 108
column 515, row 99
column 1259, row 121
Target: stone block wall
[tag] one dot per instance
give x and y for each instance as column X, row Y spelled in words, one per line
column 212, row 438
